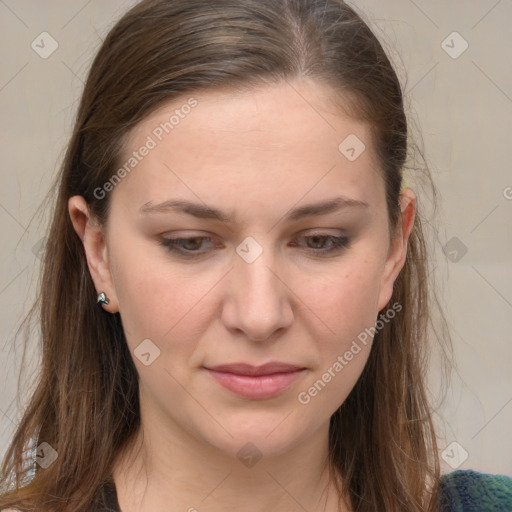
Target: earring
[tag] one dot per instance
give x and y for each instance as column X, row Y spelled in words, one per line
column 102, row 299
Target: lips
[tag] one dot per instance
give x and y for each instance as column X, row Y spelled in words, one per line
column 247, row 369
column 256, row 382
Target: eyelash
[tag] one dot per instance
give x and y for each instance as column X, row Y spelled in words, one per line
column 339, row 243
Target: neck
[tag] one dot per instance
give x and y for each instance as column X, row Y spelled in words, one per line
column 168, row 469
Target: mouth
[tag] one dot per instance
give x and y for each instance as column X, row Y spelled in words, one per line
column 259, row 382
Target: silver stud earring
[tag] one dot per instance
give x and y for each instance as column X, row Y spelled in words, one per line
column 102, row 299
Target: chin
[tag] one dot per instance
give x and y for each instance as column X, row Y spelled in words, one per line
column 256, row 438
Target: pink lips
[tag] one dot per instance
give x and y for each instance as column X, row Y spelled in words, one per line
column 256, row 382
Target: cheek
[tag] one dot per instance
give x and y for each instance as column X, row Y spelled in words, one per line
column 348, row 306
column 161, row 301
column 348, row 301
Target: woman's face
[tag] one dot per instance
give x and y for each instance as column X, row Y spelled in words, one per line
column 257, row 278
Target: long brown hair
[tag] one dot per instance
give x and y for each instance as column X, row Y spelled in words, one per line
column 86, row 403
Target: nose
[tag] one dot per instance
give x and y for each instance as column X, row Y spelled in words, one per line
column 257, row 299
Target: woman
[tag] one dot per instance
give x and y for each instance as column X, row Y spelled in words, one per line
column 234, row 301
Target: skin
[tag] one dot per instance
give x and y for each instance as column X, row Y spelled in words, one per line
column 255, row 156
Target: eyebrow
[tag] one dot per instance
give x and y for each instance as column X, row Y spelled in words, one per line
column 203, row 211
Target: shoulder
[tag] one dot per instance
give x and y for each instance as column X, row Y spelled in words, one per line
column 469, row 490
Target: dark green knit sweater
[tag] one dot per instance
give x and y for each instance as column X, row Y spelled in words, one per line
column 470, row 491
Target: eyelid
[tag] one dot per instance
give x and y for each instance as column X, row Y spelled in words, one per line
column 177, row 239
column 339, row 243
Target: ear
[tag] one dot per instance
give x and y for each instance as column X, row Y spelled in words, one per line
column 95, row 246
column 398, row 247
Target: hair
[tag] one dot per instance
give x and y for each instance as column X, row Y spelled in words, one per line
column 85, row 402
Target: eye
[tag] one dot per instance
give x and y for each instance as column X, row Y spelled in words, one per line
column 324, row 243
column 188, row 247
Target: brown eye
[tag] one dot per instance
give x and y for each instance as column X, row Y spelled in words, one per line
column 194, row 245
column 185, row 246
column 318, row 241
column 323, row 243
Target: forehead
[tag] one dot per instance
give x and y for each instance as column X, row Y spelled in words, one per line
column 285, row 139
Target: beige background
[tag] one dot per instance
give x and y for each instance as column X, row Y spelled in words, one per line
column 463, row 107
